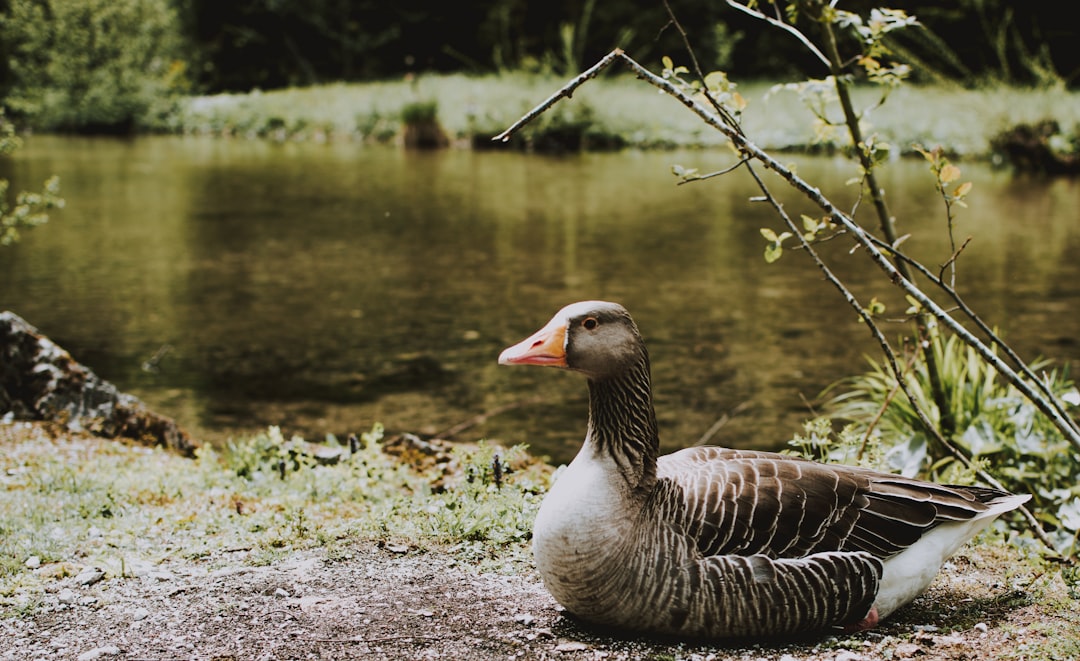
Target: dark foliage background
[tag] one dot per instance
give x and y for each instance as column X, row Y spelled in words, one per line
column 272, row 43
column 116, row 65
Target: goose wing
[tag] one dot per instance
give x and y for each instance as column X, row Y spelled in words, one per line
column 738, row 502
column 756, row 595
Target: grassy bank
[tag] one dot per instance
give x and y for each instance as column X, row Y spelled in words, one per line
column 71, row 501
column 98, row 536
column 615, row 110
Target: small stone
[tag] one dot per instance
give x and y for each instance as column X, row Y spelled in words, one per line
column 99, row 652
column 67, row 596
column 397, row 548
column 524, row 618
column 571, row 646
column 982, row 627
column 907, row 651
column 281, row 592
column 33, row 562
column 87, row 601
column 139, row 614
column 848, row 656
column 89, row 576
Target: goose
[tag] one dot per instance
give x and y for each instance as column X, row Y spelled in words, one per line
column 719, row 543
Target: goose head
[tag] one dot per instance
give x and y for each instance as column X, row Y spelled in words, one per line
column 595, row 338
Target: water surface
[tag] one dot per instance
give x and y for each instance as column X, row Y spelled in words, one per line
column 323, row 287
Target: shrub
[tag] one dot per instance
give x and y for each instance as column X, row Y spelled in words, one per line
column 90, row 65
column 996, row 426
column 30, row 209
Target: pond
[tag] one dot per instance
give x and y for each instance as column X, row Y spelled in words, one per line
column 325, row 287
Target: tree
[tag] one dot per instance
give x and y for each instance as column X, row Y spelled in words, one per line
column 90, row 65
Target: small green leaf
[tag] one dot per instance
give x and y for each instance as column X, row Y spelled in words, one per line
column 668, row 64
column 716, row 80
column 769, row 235
column 914, row 307
column 773, row 252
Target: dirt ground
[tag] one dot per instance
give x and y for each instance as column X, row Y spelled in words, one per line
column 396, row 603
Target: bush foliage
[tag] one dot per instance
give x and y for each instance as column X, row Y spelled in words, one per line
column 996, row 426
column 90, row 65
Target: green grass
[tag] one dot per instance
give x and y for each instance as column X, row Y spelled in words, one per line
column 995, row 425
column 964, row 121
column 74, row 502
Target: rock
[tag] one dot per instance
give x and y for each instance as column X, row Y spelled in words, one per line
column 99, row 652
column 67, row 596
column 41, row 381
column 524, row 618
column 33, row 562
column 89, row 576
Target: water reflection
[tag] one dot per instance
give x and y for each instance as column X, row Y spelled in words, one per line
column 324, row 287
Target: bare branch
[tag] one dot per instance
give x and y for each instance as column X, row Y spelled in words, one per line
column 783, row 26
column 726, row 170
column 566, row 90
column 876, row 250
column 720, row 110
column 961, row 305
column 1053, row 411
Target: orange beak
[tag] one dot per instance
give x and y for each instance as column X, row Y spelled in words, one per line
column 546, row 346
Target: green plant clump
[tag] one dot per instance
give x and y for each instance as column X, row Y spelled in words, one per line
column 91, row 65
column 996, row 427
column 30, row 209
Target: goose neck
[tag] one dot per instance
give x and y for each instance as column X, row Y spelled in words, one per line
column 622, row 425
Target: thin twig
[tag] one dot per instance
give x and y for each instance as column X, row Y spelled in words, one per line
column 703, row 177
column 952, row 260
column 566, row 90
column 720, row 110
column 884, row 407
column 481, row 418
column 785, row 27
column 720, row 422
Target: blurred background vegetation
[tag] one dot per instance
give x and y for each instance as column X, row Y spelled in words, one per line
column 115, row 66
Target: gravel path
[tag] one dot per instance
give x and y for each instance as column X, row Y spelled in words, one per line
column 380, row 603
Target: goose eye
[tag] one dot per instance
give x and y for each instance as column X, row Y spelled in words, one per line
column 590, row 323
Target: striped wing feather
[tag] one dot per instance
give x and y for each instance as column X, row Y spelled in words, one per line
column 756, row 595
column 744, row 502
